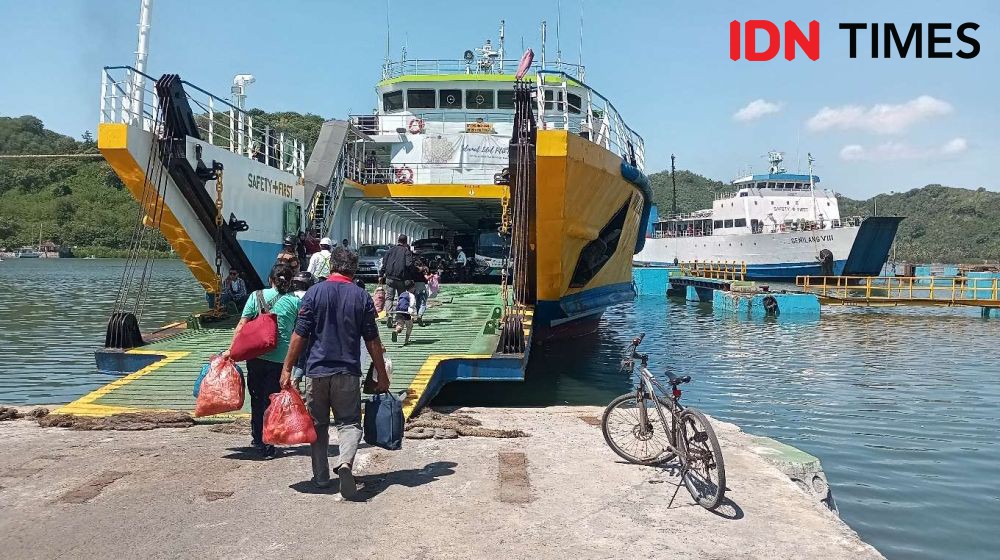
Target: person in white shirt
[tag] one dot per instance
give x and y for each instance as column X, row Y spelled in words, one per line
column 319, row 264
column 461, row 261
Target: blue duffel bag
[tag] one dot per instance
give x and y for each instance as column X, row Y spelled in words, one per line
column 384, row 421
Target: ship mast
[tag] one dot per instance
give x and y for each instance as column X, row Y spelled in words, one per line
column 812, row 185
column 138, row 84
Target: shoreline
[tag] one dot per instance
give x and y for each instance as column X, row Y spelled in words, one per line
column 185, row 492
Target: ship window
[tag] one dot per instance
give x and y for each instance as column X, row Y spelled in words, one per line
column 479, row 99
column 741, row 222
column 717, row 224
column 420, row 98
column 392, row 101
column 574, row 102
column 450, row 99
column 596, row 254
column 553, row 100
column 729, row 223
column 744, row 193
column 505, row 99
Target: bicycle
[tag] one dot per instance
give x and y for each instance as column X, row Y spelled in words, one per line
column 674, row 431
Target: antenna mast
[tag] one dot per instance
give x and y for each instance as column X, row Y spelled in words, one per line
column 581, row 40
column 543, row 44
column 386, row 69
column 558, row 29
column 138, row 85
column 673, row 181
column 812, row 184
column 501, row 46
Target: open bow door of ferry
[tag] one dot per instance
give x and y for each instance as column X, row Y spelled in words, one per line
column 221, row 193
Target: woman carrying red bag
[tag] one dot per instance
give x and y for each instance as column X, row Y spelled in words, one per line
column 264, row 371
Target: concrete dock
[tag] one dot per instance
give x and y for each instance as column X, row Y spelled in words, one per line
column 560, row 492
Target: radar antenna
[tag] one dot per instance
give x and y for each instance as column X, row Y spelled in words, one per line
column 775, row 158
column 487, row 58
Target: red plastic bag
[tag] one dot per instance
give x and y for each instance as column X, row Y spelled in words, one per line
column 287, row 422
column 221, row 390
column 259, row 335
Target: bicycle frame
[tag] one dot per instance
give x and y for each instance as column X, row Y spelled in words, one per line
column 649, row 387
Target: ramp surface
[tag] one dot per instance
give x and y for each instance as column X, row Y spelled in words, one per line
column 460, row 326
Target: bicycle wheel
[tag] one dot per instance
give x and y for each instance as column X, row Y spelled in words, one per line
column 705, row 476
column 643, row 445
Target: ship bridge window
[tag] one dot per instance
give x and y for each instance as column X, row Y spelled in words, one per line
column 420, row 98
column 450, row 99
column 717, row 224
column 392, row 101
column 574, row 103
column 740, row 222
column 553, row 100
column 744, row 193
column 728, row 223
column 505, row 99
column 479, row 99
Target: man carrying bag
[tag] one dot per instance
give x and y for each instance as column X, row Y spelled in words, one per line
column 336, row 315
column 397, row 268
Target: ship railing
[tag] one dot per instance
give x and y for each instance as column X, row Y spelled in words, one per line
column 370, row 173
column 596, row 119
column 398, row 68
column 129, row 96
column 944, row 290
column 717, row 270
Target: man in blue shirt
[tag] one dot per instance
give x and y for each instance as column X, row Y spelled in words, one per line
column 336, row 315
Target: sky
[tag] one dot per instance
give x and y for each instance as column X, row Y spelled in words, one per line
column 873, row 126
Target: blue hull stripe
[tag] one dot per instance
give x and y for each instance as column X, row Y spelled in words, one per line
column 583, row 303
column 262, row 255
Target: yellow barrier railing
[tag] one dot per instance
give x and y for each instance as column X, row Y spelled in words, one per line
column 944, row 289
column 716, row 270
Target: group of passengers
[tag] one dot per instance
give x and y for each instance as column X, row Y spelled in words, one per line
column 324, row 316
column 321, row 328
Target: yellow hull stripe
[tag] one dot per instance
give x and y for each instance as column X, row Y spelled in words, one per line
column 85, row 405
column 112, row 140
column 424, row 375
column 382, row 190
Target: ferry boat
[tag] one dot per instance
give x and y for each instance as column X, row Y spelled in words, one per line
column 27, row 253
column 780, row 225
column 452, row 142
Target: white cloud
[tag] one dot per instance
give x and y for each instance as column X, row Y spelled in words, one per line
column 756, row 109
column 882, row 118
column 890, row 151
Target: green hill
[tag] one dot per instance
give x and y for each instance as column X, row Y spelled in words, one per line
column 943, row 224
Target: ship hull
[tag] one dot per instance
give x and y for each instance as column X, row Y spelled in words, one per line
column 857, row 250
column 269, row 200
column 588, row 218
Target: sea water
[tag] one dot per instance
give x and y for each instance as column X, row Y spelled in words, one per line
column 901, row 405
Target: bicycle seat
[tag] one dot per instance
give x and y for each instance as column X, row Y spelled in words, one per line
column 675, row 381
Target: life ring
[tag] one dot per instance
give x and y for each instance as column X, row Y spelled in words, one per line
column 415, row 126
column 404, row 175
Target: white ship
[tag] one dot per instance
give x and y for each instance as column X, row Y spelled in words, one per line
column 780, row 225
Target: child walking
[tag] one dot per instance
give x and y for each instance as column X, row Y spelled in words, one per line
column 406, row 308
column 379, row 297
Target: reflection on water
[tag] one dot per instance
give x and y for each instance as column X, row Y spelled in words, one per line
column 54, row 313
column 902, row 406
